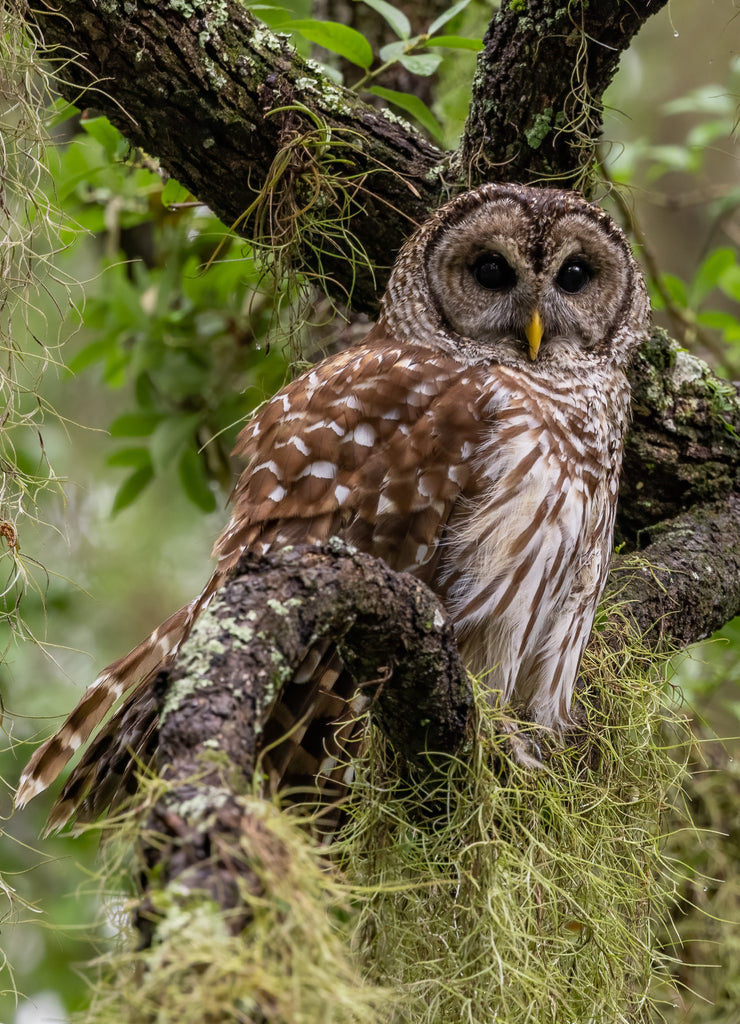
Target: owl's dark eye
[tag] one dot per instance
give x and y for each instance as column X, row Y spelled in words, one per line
column 493, row 272
column 574, row 275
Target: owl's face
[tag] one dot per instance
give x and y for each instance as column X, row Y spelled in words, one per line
column 529, row 275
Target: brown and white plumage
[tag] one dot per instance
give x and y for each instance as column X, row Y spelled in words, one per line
column 474, row 438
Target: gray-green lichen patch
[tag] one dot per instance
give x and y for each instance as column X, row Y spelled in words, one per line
column 283, row 669
column 214, row 12
column 282, row 608
column 179, row 909
column 393, row 118
column 687, row 369
column 215, row 75
column 541, row 125
column 263, row 38
column 204, row 803
column 194, row 662
column 341, row 547
column 184, row 7
column 329, row 96
column 215, row 17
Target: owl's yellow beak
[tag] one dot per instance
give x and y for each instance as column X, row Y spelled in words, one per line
column 534, row 331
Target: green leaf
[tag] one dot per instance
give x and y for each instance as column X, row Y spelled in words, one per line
column 131, row 488
column 393, row 51
column 174, row 192
column 447, row 15
column 421, row 63
column 59, row 112
column 725, row 204
column 395, row 18
column 170, row 437
column 730, row 282
column 414, row 106
column 706, row 132
column 676, row 288
column 274, row 17
column 139, row 458
column 134, row 424
column 707, row 99
column 673, row 158
column 100, row 129
column 341, row 39
column 720, row 321
column 708, row 275
column 95, row 352
column 195, row 481
column 457, row 43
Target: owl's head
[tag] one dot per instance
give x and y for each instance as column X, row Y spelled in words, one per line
column 532, row 276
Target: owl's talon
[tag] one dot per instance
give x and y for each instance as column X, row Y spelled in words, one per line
column 521, row 746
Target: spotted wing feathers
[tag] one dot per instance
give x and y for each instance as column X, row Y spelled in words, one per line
column 369, row 446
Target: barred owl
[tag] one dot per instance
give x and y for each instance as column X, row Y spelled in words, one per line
column 474, row 439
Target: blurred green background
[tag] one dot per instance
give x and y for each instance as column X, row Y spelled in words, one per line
column 164, row 360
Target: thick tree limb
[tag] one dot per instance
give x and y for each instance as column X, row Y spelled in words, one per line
column 536, row 111
column 679, row 503
column 218, row 98
column 686, row 583
column 684, row 445
column 260, row 627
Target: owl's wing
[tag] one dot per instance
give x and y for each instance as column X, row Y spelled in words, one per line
column 372, row 445
column 381, row 456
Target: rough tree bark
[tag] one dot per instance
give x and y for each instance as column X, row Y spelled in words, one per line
column 536, row 112
column 216, row 97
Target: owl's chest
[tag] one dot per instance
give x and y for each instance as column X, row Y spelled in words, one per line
column 537, row 519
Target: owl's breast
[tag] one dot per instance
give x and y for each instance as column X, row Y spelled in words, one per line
column 526, row 551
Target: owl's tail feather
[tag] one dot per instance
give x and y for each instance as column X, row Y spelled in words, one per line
column 138, row 667
column 108, row 772
column 311, row 734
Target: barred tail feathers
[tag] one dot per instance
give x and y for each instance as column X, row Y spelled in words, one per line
column 143, row 662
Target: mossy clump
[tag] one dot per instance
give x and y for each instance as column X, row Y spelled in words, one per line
column 499, row 892
column 702, row 937
column 281, row 955
column 481, row 889
column 300, row 223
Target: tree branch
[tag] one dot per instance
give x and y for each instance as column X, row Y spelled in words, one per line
column 686, row 583
column 679, row 502
column 218, row 98
column 536, row 111
column 245, row 650
column 684, row 446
